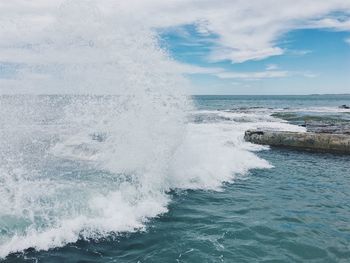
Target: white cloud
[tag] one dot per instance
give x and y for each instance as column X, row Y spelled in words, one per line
column 192, row 69
column 242, row 55
column 271, row 67
column 267, row 74
column 243, row 30
column 270, row 72
column 299, row 52
column 253, row 75
column 333, row 23
column 308, row 74
column 347, row 40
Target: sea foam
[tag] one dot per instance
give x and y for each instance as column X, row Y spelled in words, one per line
column 89, row 166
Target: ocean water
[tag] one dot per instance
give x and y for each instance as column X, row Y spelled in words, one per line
column 130, row 169
column 125, row 179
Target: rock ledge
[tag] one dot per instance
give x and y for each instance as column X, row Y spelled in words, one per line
column 319, row 142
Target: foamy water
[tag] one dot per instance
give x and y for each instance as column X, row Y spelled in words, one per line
column 89, row 168
column 80, row 167
column 66, row 176
column 85, row 166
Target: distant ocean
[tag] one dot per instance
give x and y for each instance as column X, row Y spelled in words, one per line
column 90, row 179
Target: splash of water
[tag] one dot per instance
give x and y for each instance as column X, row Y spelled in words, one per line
column 86, row 166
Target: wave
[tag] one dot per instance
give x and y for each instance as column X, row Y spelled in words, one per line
column 95, row 161
column 84, row 167
column 96, row 170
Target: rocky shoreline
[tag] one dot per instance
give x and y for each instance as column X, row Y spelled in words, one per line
column 319, row 142
column 325, row 132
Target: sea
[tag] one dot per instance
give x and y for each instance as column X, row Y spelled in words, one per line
column 123, row 179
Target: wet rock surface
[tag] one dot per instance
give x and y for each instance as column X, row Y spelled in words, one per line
column 320, row 142
column 334, row 123
column 340, row 127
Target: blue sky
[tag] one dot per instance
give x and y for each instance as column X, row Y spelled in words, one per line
column 221, row 46
column 315, row 61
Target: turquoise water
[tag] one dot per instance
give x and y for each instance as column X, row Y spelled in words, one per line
column 296, row 211
column 224, row 102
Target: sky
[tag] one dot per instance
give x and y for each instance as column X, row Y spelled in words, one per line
column 255, row 51
column 314, row 61
column 221, row 46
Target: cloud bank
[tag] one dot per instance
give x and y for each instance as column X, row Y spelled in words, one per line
column 244, row 30
column 238, row 30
